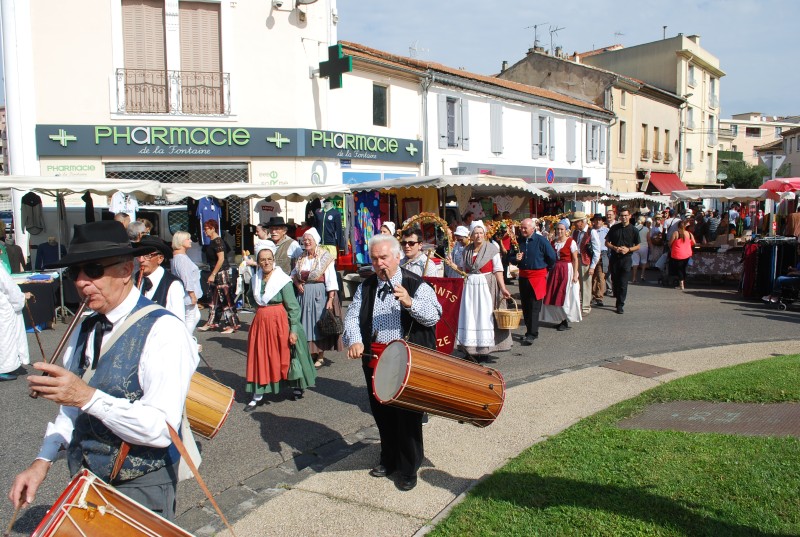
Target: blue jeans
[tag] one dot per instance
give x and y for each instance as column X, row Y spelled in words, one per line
column 780, row 281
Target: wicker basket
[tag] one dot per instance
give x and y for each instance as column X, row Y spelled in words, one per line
column 508, row 319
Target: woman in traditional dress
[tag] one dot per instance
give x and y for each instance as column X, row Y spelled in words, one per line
column 221, row 311
column 13, row 340
column 314, row 277
column 562, row 303
column 484, row 289
column 185, row 269
column 275, row 329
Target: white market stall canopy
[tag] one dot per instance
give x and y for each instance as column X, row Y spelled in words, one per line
column 53, row 186
column 178, row 191
column 577, row 191
column 725, row 194
column 626, row 196
column 487, row 185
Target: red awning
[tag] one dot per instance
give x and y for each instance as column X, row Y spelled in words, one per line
column 665, row 183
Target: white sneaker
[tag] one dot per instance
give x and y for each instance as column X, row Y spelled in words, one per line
column 775, row 299
column 767, row 298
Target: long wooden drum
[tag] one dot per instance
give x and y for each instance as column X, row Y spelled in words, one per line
column 88, row 506
column 208, row 404
column 416, row 378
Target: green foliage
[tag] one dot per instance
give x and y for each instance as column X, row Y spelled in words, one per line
column 743, row 175
column 597, row 479
column 784, row 171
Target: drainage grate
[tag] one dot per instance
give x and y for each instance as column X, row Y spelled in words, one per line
column 779, row 419
column 637, row 368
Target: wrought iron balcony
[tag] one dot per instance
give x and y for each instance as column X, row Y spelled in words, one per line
column 713, row 100
column 147, row 91
column 645, row 154
column 712, row 139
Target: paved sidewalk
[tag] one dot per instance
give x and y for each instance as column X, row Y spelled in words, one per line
column 344, row 500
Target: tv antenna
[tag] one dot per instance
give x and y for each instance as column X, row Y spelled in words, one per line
column 554, row 33
column 415, row 49
column 535, row 32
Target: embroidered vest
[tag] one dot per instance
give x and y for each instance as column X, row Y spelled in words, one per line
column 93, row 445
column 424, row 336
column 282, row 259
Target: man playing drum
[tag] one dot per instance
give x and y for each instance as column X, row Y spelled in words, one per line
column 115, row 387
column 393, row 303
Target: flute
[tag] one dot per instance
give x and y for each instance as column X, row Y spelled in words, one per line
column 70, row 329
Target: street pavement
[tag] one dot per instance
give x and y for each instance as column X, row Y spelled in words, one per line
column 300, row 467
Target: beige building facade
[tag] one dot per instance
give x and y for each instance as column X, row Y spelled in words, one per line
column 678, row 65
column 746, row 132
column 644, row 136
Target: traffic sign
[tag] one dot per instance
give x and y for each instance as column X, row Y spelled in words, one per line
column 550, row 175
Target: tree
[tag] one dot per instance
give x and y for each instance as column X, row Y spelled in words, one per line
column 743, row 175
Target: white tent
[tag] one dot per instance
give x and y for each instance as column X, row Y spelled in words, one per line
column 725, row 194
column 486, row 185
column 54, row 186
column 178, row 191
column 578, row 191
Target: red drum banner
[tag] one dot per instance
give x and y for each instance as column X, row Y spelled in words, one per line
column 448, row 292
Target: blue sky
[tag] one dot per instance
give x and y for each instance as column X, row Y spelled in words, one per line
column 755, row 41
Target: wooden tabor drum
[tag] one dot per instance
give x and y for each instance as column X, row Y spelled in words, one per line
column 89, row 506
column 416, row 378
column 208, row 404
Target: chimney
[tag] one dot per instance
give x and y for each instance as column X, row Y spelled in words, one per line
column 504, row 66
column 558, row 52
column 531, row 51
column 694, row 39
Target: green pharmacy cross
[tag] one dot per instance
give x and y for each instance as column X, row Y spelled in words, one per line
column 336, row 66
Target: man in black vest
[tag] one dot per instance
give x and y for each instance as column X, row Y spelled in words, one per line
column 389, row 304
column 156, row 283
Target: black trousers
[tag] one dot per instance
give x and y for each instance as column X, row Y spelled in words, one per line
column 620, row 274
column 400, row 431
column 530, row 307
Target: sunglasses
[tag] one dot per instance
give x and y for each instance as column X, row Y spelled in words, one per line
column 409, row 243
column 93, row 271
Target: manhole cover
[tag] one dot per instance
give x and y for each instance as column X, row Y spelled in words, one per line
column 779, row 419
column 637, row 368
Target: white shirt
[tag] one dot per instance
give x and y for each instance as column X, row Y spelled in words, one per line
column 124, row 203
column 176, row 294
column 169, row 358
column 597, row 246
column 418, row 264
column 307, row 263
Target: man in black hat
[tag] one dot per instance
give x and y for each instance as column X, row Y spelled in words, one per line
column 156, row 283
column 287, row 247
column 125, row 378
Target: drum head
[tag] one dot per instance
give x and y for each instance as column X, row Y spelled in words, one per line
column 391, row 373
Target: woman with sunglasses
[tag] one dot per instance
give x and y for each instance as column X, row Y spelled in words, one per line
column 484, row 290
column 276, row 336
column 414, row 259
column 222, row 311
column 317, row 289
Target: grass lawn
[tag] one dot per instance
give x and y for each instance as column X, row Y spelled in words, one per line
column 596, row 479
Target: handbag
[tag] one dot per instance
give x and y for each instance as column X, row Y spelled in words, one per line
column 295, row 369
column 329, row 324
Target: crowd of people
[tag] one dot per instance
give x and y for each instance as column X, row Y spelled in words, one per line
column 127, row 394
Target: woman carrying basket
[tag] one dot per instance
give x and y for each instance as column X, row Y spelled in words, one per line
column 484, row 290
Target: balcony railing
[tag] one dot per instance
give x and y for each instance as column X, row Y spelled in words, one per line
column 667, row 157
column 713, row 100
column 712, row 139
column 689, row 166
column 690, row 124
column 147, row 91
column 711, row 176
column 645, row 154
column 656, row 156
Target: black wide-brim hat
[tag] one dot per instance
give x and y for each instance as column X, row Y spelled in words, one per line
column 274, row 221
column 155, row 245
column 99, row 240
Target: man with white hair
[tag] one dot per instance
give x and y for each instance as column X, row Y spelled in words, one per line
column 536, row 255
column 393, row 303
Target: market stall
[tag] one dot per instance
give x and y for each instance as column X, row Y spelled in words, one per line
column 723, row 259
column 564, row 198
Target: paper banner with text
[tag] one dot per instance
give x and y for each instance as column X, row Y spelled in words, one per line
column 448, row 292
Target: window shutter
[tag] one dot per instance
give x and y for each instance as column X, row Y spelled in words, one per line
column 551, row 137
column 496, row 127
column 571, row 157
column 602, row 129
column 535, row 135
column 442, row 111
column 464, row 124
column 588, row 142
column 200, row 40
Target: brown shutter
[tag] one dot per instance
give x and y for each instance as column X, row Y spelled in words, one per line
column 144, row 56
column 201, row 77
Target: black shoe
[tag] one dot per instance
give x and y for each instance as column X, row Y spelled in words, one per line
column 297, row 393
column 528, row 339
column 620, row 310
column 7, row 376
column 407, row 483
column 562, row 326
column 470, row 358
column 380, row 471
column 424, row 418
